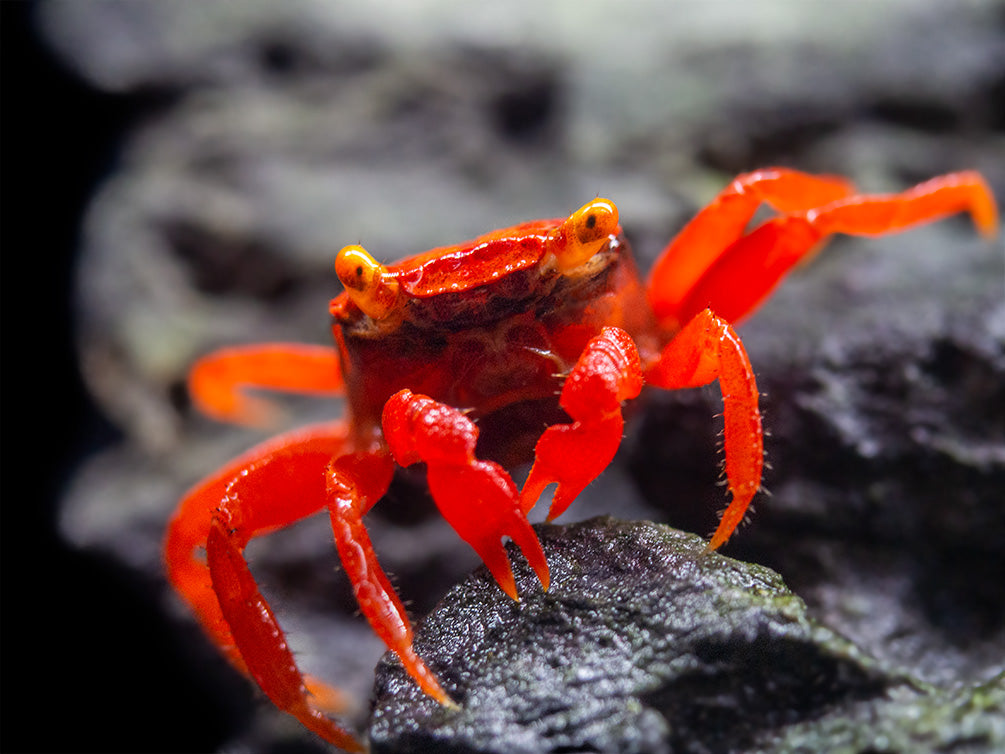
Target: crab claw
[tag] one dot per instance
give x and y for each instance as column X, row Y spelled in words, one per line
column 477, row 498
column 573, row 455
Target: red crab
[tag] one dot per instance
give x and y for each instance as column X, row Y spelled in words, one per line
column 461, row 356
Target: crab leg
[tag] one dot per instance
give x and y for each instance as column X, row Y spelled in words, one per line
column 708, row 349
column 573, row 455
column 688, row 257
column 217, row 381
column 273, row 484
column 478, row 498
column 354, row 483
column 744, row 269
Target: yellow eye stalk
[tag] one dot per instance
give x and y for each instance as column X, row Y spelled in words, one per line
column 584, row 233
column 366, row 281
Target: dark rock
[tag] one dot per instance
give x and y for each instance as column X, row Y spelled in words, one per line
column 963, row 719
column 645, row 642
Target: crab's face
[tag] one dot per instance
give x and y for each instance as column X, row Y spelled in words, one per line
column 533, row 266
column 488, row 323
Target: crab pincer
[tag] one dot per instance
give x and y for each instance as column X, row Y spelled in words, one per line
column 478, row 498
column 573, row 455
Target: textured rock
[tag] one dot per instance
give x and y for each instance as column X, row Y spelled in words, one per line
column 962, row 719
column 645, row 642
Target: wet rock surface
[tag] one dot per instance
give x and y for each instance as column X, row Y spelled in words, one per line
column 645, row 642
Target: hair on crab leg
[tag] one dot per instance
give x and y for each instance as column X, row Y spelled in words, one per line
column 257, row 508
column 708, row 349
column 275, row 483
column 263, row 644
column 354, row 482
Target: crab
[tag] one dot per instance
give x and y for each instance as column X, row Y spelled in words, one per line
column 518, row 346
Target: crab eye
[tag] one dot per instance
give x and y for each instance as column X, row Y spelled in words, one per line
column 366, row 281
column 585, row 232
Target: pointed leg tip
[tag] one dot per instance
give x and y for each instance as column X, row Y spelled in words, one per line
column 527, row 540
column 560, row 502
column 326, row 698
column 545, row 579
column 721, row 536
column 539, row 563
column 444, row 699
column 425, row 678
column 504, row 578
column 330, row 731
column 530, row 494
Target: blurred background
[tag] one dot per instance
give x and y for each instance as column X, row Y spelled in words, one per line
column 178, row 176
